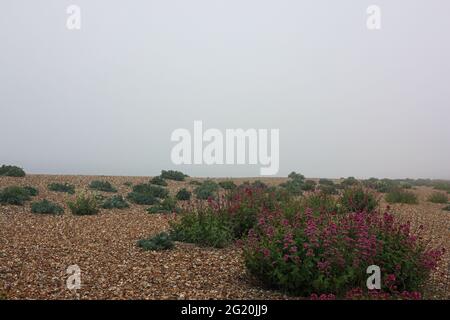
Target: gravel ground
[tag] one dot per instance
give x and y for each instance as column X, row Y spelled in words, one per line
column 35, row 251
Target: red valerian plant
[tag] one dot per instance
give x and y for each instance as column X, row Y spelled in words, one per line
column 325, row 255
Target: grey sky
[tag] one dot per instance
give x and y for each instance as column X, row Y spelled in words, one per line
column 105, row 99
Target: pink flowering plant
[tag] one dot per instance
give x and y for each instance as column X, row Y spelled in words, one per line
column 321, row 253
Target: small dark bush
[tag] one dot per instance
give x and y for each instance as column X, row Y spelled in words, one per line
column 147, row 194
column 349, row 182
column 168, row 205
column 102, row 186
column 173, row 175
column 438, row 197
column 14, row 195
column 62, row 187
column 115, row 202
column 46, row 207
column 31, row 191
column 309, row 185
column 328, row 189
column 128, row 184
column 227, row 185
column 296, row 176
column 161, row 241
column 84, row 205
column 356, row 199
column 11, row 171
column 447, row 208
column 401, row 196
column 208, row 189
column 326, row 182
column 183, row 194
column 158, row 181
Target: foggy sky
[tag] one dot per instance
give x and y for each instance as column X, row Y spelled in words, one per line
column 105, row 99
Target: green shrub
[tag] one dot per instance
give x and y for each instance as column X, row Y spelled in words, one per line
column 195, row 183
column 46, row 207
column 227, row 185
column 31, row 191
column 161, row 241
column 318, row 201
column 349, row 182
column 14, row 195
column 208, row 189
column 328, row 189
column 11, row 171
column 128, row 184
column 401, row 196
column 147, row 194
column 102, row 186
column 309, row 185
column 326, row 182
column 356, row 199
column 62, row 187
column 158, row 181
column 205, row 228
column 83, row 205
column 115, row 202
column 447, row 208
column 438, row 197
column 173, row 175
column 296, row 176
column 183, row 194
column 441, row 185
column 168, row 205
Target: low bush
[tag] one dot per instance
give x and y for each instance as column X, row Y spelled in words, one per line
column 204, row 228
column 104, row 186
column 309, row 185
column 208, row 189
column 401, row 196
column 183, row 194
column 161, row 241
column 447, row 208
column 32, row 191
column 356, row 199
column 168, row 205
column 349, row 182
column 128, row 183
column 115, row 202
column 83, row 205
column 438, row 197
column 227, row 185
column 173, row 175
column 46, row 207
column 147, row 194
column 195, row 183
column 329, row 189
column 62, row 187
column 326, row 182
column 314, row 252
column 11, row 171
column 14, row 195
column 158, row 181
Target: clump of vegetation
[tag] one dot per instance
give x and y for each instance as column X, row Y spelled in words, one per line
column 349, row 182
column 183, row 194
column 115, row 202
column 15, row 195
column 147, row 194
column 356, row 199
column 441, row 185
column 83, row 205
column 207, row 190
column 159, row 181
column 329, row 189
column 11, row 171
column 401, row 196
column 173, row 175
column 161, row 241
column 309, row 185
column 46, row 207
column 227, row 185
column 447, row 208
column 326, row 182
column 295, row 185
column 438, row 197
column 204, row 228
column 99, row 185
column 32, row 191
column 128, row 183
column 195, row 183
column 62, row 187
column 168, row 205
